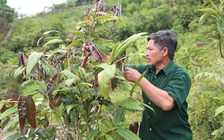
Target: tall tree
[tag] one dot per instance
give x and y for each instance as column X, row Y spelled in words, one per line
column 6, row 12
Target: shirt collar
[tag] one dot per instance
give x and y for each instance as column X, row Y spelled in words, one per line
column 168, row 68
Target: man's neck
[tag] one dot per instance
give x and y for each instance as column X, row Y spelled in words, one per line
column 163, row 64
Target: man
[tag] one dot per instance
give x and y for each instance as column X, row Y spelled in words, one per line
column 165, row 88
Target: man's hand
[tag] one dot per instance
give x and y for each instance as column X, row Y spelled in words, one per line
column 131, row 75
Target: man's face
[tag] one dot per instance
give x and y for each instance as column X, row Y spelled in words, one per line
column 154, row 54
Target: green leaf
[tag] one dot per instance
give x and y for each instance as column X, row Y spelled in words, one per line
column 86, row 95
column 83, row 85
column 202, row 18
column 48, row 32
column 14, row 137
column 214, row 6
column 46, row 66
column 51, row 38
column 93, row 135
column 105, row 131
column 30, row 87
column 68, row 74
column 136, row 83
column 14, row 124
column 118, row 116
column 69, row 82
column 127, row 43
column 5, row 122
column 53, row 41
column 69, row 108
column 147, row 106
column 18, row 71
column 121, row 22
column 108, row 137
column 207, row 10
column 219, row 110
column 104, row 78
column 131, row 104
column 127, row 134
column 220, row 26
column 124, row 85
column 32, row 61
column 106, row 18
column 8, row 112
column 79, row 35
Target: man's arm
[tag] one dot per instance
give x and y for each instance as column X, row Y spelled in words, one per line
column 158, row 96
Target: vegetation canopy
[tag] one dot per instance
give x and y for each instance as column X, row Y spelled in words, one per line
column 62, row 69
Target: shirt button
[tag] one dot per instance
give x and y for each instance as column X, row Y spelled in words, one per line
column 148, row 116
column 149, row 103
column 155, row 76
column 150, row 129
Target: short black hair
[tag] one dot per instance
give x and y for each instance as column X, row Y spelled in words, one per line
column 165, row 38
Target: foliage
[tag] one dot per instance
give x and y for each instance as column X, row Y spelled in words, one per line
column 6, row 12
column 73, row 87
column 196, row 52
column 28, row 30
column 213, row 16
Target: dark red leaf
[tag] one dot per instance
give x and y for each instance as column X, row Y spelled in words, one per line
column 96, row 53
column 116, row 10
column 4, row 108
column 84, row 62
column 51, row 86
column 31, row 111
column 55, row 102
column 99, row 6
column 22, row 59
column 134, row 127
column 22, row 113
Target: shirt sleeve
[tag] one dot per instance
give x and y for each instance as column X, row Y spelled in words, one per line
column 178, row 87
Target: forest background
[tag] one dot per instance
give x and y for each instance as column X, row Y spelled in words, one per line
column 199, row 25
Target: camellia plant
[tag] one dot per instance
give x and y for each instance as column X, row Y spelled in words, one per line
column 66, row 86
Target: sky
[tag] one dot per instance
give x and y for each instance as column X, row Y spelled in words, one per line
column 31, row 7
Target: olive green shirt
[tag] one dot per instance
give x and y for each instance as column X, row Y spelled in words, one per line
column 166, row 125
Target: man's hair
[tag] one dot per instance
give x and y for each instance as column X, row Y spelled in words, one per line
column 165, row 38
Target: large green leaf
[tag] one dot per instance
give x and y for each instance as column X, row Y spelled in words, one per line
column 46, row 66
column 48, row 32
column 124, row 85
column 131, row 104
column 14, row 136
column 136, row 83
column 69, row 74
column 127, row 134
column 32, row 61
column 219, row 110
column 8, row 112
column 127, row 43
column 104, row 78
column 207, row 10
column 18, row 71
column 30, row 87
column 105, row 131
column 53, row 41
column 220, row 26
column 118, row 116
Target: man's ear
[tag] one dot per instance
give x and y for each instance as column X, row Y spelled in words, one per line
column 165, row 51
